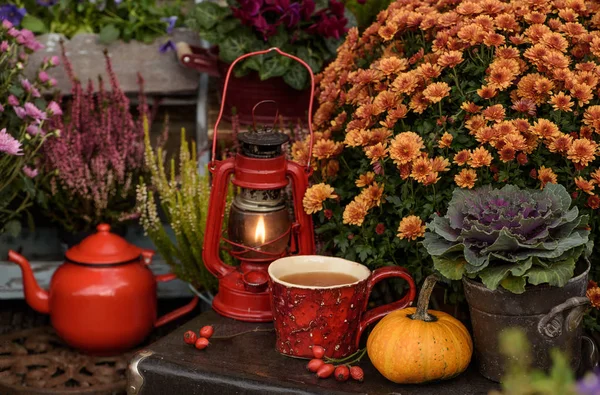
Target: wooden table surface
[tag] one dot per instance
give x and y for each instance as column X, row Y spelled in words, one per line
column 249, row 364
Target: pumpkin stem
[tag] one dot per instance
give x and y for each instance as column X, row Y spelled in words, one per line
column 423, row 301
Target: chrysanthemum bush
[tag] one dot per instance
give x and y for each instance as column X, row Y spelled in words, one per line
column 24, row 126
column 438, row 95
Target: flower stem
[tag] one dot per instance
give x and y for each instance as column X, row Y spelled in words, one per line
column 350, row 359
column 242, row 333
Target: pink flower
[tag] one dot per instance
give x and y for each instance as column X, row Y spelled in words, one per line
column 54, row 61
column 43, row 77
column 33, row 130
column 13, row 32
column 20, row 111
column 4, row 46
column 6, row 24
column 34, row 112
column 52, row 82
column 1, row 108
column 29, row 172
column 13, row 101
column 54, row 108
column 30, row 88
column 8, row 144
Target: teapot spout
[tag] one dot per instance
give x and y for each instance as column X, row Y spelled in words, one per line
column 35, row 296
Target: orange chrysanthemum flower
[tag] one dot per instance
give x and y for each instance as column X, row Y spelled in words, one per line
column 325, row 149
column 494, row 113
column 470, row 107
column 300, row 152
column 376, row 152
column 480, row 157
column 372, row 195
column 421, row 167
column 583, row 93
column 466, row 178
column 392, row 65
column 405, row 83
column 450, row 59
column 445, row 140
column 561, row 102
column 429, row 70
column 500, row 79
column 462, row 157
column 596, row 176
column 357, row 138
column 507, row 153
column 315, row 196
column 365, row 179
column 486, row 92
column 585, row 185
column 546, row 175
column 384, row 101
column 355, row 212
column 440, row 164
column 545, row 129
column 436, row 92
column 591, row 117
column 582, row 151
column 411, row 228
column 593, row 294
column 406, row 147
column 561, row 144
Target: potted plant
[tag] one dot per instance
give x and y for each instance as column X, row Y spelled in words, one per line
column 25, row 118
column 301, row 27
column 434, row 96
column 179, row 192
column 521, row 256
column 92, row 167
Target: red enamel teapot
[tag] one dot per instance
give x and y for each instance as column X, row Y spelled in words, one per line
column 102, row 300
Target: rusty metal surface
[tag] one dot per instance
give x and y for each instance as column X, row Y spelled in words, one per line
column 549, row 316
column 35, row 361
column 249, row 364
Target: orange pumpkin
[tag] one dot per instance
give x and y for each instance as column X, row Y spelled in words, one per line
column 414, row 345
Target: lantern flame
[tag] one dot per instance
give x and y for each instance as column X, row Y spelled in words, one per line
column 259, row 233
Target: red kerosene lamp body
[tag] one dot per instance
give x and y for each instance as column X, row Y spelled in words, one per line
column 261, row 227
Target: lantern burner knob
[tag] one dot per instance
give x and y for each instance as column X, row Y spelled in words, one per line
column 264, row 143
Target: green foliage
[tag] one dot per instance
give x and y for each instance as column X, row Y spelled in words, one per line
column 138, row 20
column 521, row 379
column 183, row 195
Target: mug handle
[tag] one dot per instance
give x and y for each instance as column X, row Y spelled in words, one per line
column 370, row 316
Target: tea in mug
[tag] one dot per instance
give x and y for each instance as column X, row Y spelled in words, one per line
column 319, row 279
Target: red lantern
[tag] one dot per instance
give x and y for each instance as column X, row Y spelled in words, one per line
column 260, row 227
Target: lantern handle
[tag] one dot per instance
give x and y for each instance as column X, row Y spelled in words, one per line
column 310, row 104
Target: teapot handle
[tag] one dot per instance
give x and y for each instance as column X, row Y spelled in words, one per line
column 183, row 310
column 163, row 278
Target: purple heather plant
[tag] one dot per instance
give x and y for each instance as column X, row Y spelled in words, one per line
column 95, row 162
column 509, row 237
column 24, row 126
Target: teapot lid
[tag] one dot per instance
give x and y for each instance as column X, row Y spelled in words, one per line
column 103, row 248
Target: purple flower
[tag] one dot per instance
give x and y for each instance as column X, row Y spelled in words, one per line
column 29, row 172
column 43, row 77
column 4, row 46
column 13, row 101
column 8, row 144
column 166, row 47
column 46, row 3
column 589, row 384
column 170, row 21
column 33, row 130
column 34, row 112
column 54, row 108
column 20, row 111
column 308, row 7
column 12, row 14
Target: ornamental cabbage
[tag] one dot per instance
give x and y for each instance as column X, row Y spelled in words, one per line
column 509, row 237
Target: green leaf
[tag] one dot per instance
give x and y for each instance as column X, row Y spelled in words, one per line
column 274, row 67
column 234, row 47
column 296, row 76
column 253, row 63
column 13, row 228
column 207, row 14
column 34, row 24
column 108, row 34
column 280, row 39
column 212, row 36
column 452, row 269
column 557, row 274
column 514, row 284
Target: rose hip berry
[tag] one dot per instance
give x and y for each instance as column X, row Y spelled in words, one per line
column 318, row 352
column 207, row 331
column 357, row 373
column 190, row 337
column 201, row 343
column 325, row 371
column 342, row 373
column 314, row 365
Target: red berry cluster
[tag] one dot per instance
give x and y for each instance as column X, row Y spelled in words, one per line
column 200, row 342
column 324, row 369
